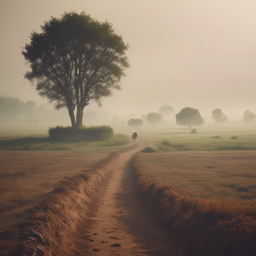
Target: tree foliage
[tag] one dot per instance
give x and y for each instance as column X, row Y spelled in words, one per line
column 154, row 118
column 75, row 60
column 135, row 122
column 14, row 108
column 189, row 117
column 166, row 111
column 218, row 116
column 248, row 116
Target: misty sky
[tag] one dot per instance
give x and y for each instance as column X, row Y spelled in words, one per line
column 196, row 53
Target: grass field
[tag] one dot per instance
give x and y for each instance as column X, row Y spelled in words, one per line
column 229, row 175
column 168, row 138
column 172, row 137
column 26, row 177
column 205, row 199
column 35, row 138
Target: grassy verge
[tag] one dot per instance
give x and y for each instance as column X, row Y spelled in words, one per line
column 57, row 218
column 204, row 227
column 115, row 142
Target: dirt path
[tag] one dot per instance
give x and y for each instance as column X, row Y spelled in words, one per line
column 121, row 226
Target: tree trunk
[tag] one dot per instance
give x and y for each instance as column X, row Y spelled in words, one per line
column 72, row 117
column 79, row 116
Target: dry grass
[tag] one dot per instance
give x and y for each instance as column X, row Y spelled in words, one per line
column 207, row 175
column 26, row 177
column 188, row 193
column 55, row 225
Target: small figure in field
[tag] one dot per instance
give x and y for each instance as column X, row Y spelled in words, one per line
column 134, row 136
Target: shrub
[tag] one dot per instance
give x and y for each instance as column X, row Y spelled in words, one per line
column 193, row 131
column 166, row 143
column 148, row 150
column 233, row 138
column 69, row 134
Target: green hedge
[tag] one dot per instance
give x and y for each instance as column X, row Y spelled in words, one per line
column 69, row 134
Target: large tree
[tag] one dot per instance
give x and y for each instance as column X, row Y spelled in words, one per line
column 189, row 117
column 75, row 60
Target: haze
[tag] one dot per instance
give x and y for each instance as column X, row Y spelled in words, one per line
column 200, row 53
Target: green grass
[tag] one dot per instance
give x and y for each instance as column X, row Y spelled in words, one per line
column 168, row 138
column 115, row 142
column 208, row 137
column 35, row 138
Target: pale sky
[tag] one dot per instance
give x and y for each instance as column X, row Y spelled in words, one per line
column 183, row 53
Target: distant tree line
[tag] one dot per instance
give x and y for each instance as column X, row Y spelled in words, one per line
column 186, row 117
column 14, row 110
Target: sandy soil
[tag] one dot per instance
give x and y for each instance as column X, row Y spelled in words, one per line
column 121, row 226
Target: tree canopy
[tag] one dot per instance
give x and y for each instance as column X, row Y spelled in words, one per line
column 248, row 116
column 75, row 60
column 135, row 122
column 218, row 116
column 189, row 117
column 154, row 118
column 166, row 111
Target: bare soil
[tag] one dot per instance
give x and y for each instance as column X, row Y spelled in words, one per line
column 122, row 226
column 25, row 177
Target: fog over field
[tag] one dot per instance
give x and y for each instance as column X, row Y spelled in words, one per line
column 199, row 54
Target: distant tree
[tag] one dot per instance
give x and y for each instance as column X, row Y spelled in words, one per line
column 143, row 118
column 166, row 111
column 135, row 122
column 11, row 107
column 154, row 118
column 218, row 116
column 30, row 108
column 115, row 120
column 189, row 117
column 193, row 131
column 75, row 60
column 248, row 116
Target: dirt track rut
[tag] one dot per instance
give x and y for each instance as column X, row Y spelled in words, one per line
column 121, row 226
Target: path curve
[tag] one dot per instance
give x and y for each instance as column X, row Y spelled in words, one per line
column 121, row 226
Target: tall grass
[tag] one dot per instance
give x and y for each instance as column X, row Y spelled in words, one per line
column 203, row 227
